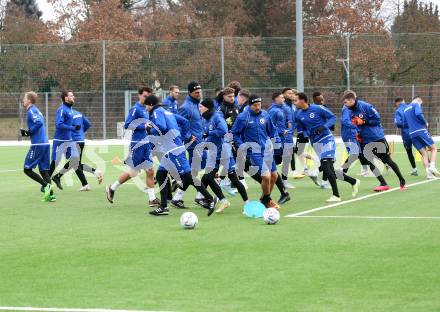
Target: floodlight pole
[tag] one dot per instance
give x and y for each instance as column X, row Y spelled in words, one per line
column 346, row 62
column 299, row 46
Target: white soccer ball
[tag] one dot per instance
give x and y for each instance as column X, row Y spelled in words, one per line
column 271, row 216
column 189, row 220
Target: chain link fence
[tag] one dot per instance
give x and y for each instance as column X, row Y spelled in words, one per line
column 105, row 74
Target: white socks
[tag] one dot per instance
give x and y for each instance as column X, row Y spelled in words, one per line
column 178, row 195
column 115, row 185
column 151, row 193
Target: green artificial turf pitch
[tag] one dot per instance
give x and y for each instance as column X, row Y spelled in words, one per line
column 82, row 252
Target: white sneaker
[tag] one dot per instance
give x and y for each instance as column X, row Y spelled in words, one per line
column 287, row 185
column 355, row 188
column 333, row 199
column 85, row 188
column 325, row 185
column 434, row 172
column 99, row 175
column 222, row 205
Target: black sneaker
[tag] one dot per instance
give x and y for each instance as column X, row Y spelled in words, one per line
column 160, row 211
column 284, row 198
column 201, row 202
column 110, row 194
column 212, row 204
column 57, row 181
column 179, row 204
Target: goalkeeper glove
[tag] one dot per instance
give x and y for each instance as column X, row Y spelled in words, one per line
column 357, row 121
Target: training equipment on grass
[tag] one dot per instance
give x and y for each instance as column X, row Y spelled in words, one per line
column 271, row 216
column 189, row 220
column 254, row 209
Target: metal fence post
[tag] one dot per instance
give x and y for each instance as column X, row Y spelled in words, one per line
column 413, row 92
column 104, row 119
column 299, row 46
column 222, row 53
column 46, row 102
column 348, row 63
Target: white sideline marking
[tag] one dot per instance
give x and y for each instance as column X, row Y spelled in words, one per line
column 355, row 199
column 367, row 217
column 29, row 309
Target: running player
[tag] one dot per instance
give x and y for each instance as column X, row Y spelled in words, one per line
column 139, row 157
column 399, row 121
column 374, row 144
column 420, row 136
column 317, row 120
column 254, row 128
column 39, row 152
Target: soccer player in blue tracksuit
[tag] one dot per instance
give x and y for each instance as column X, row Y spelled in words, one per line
column 420, row 136
column 317, row 121
column 280, row 120
column 139, row 157
column 39, row 152
column 190, row 111
column 215, row 130
column 372, row 137
column 253, row 128
column 289, row 109
column 78, row 136
column 399, row 121
column 62, row 138
column 351, row 138
column 168, row 144
column 170, row 103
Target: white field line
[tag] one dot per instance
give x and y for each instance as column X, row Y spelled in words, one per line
column 367, row 217
column 32, row 309
column 355, row 199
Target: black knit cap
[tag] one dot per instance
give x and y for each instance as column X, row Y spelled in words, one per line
column 208, row 103
column 152, row 100
column 253, row 98
column 193, row 86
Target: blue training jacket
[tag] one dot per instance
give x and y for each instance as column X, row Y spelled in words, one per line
column 80, row 120
column 167, row 128
column 190, row 111
column 279, row 119
column 349, row 131
column 35, row 124
column 253, row 127
column 183, row 124
column 313, row 118
column 170, row 104
column 372, row 130
column 415, row 119
column 63, row 123
column 216, row 128
column 136, row 119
